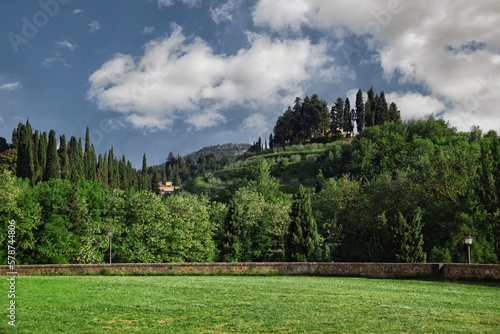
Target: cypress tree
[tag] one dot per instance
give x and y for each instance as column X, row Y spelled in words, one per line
column 89, row 159
column 117, row 172
column 52, row 170
column 302, row 238
column 347, row 121
column 409, row 239
column 370, row 109
column 155, row 187
column 360, row 111
column 105, row 171
column 122, row 167
column 36, row 164
column 16, row 133
column 111, row 170
column 100, row 168
column 25, row 166
column 382, row 115
column 338, row 116
column 75, row 160
column 131, row 176
column 42, row 155
column 146, row 183
column 394, row 113
column 64, row 158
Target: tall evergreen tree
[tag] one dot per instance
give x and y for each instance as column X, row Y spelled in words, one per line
column 100, row 168
column 131, row 176
column 409, row 239
column 64, row 158
column 382, row 115
column 319, row 115
column 16, row 133
column 25, row 161
column 146, row 182
column 112, row 181
column 36, row 164
column 360, row 111
column 52, row 170
column 337, row 115
column 284, row 130
column 347, row 121
column 302, row 238
column 155, row 187
column 42, row 155
column 75, row 160
column 394, row 113
column 105, row 171
column 89, row 159
column 370, row 109
column 122, row 167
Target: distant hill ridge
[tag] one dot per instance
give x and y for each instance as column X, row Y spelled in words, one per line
column 221, row 150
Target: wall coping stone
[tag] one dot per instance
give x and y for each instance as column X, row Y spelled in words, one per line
column 363, row 269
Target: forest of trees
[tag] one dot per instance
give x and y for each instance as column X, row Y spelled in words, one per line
column 399, row 192
column 311, row 117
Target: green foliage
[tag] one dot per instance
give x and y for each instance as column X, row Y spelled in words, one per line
column 53, row 167
column 8, row 160
column 25, row 159
column 253, row 228
column 377, row 197
column 409, row 239
column 192, row 229
column 302, row 238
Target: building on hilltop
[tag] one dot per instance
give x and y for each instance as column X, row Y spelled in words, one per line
column 166, row 187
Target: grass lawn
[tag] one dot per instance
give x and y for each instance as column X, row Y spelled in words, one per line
column 221, row 304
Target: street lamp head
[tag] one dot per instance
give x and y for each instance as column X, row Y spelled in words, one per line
column 110, row 232
column 468, row 239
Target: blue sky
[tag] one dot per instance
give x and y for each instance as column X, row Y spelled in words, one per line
column 154, row 76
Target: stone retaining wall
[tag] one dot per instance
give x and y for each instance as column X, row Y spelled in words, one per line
column 373, row 270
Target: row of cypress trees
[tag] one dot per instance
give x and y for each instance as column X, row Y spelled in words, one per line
column 40, row 159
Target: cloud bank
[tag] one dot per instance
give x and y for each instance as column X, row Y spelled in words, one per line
column 451, row 47
column 180, row 78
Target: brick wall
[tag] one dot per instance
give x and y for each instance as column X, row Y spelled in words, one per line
column 373, row 270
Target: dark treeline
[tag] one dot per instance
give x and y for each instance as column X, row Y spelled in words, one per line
column 38, row 158
column 311, row 118
column 399, row 192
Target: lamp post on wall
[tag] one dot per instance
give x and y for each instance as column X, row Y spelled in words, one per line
column 468, row 241
column 110, row 234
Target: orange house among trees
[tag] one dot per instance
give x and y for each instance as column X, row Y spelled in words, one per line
column 166, row 187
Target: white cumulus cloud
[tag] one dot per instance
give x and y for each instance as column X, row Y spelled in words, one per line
column 168, row 3
column 67, row 44
column 94, row 27
column 224, row 11
column 415, row 105
column 450, row 47
column 10, row 86
column 180, row 78
column 147, row 30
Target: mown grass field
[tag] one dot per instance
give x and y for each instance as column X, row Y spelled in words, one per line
column 223, row 304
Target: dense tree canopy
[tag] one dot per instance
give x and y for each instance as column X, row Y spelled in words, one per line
column 399, row 191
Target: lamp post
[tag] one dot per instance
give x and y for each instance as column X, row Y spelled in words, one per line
column 110, row 233
column 468, row 241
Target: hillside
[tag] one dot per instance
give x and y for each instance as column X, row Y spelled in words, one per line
column 220, row 150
